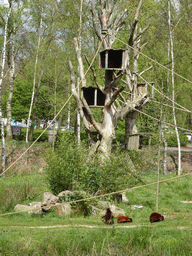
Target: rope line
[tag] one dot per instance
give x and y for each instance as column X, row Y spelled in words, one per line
column 161, row 65
column 112, row 193
column 158, row 120
column 165, row 95
column 151, row 99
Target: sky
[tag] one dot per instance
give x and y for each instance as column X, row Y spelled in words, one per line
column 4, row 2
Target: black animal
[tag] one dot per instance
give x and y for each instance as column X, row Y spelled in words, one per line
column 108, row 217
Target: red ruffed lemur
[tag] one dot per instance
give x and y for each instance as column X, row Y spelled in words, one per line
column 156, row 217
column 123, row 219
column 108, row 217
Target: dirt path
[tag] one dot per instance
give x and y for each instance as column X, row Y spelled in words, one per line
column 91, row 227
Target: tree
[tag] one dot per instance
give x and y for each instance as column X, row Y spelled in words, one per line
column 11, row 64
column 1, row 80
column 112, row 110
column 173, row 88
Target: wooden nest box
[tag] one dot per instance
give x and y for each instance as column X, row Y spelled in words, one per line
column 113, row 59
column 141, row 88
column 93, row 96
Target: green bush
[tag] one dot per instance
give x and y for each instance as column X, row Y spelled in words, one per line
column 154, row 140
column 71, row 168
column 172, row 140
column 120, row 136
column 36, row 134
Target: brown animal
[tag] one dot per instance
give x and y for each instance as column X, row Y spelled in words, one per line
column 123, row 219
column 156, row 217
column 108, row 217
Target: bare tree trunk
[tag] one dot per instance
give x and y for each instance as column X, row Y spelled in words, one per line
column 69, row 116
column 131, row 137
column 1, row 80
column 34, row 80
column 11, row 82
column 34, row 107
column 165, row 147
column 55, row 104
column 78, row 114
column 173, row 91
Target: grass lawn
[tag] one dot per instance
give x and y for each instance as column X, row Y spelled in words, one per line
column 23, row 234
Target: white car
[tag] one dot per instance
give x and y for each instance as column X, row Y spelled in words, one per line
column 189, row 136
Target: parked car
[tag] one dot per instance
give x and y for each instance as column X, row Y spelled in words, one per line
column 189, row 136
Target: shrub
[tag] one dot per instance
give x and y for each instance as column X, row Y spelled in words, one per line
column 71, row 168
column 172, row 140
column 120, row 136
column 36, row 134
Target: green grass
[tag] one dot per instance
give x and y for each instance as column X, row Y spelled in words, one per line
column 20, row 233
column 23, row 234
column 96, row 241
column 21, row 189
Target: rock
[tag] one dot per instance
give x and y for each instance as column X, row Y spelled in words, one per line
column 186, row 202
column 95, row 210
column 104, row 205
column 116, row 210
column 63, row 208
column 27, row 208
column 68, row 195
column 124, row 198
column 65, row 195
column 133, row 207
column 34, row 203
column 48, row 202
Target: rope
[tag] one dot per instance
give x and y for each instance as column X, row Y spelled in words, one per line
column 112, row 193
column 165, row 95
column 158, row 120
column 161, row 65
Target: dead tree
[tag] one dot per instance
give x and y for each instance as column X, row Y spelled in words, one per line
column 106, row 28
column 132, row 77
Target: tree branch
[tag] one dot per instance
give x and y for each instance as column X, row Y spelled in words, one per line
column 141, row 32
column 95, row 24
column 137, row 103
column 115, row 94
column 117, row 79
column 132, row 30
column 81, row 68
column 96, row 125
column 76, row 96
column 94, row 74
column 147, row 69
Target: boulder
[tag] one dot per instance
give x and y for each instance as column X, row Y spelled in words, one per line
column 104, row 205
column 35, row 204
column 67, row 195
column 116, row 211
column 27, row 208
column 48, row 202
column 63, row 208
column 133, row 207
column 186, row 202
column 124, row 198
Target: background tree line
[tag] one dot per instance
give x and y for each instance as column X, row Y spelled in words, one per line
column 60, row 24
